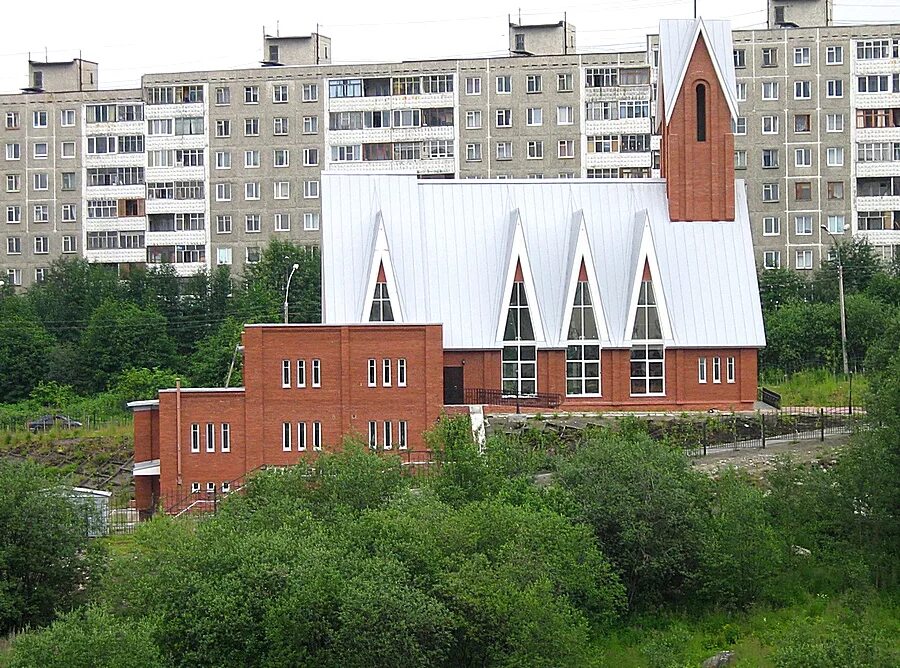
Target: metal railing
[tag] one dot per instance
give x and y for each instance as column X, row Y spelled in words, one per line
column 767, row 396
column 494, row 397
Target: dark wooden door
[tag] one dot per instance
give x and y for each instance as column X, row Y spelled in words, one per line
column 453, row 385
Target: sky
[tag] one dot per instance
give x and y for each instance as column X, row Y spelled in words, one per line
column 128, row 39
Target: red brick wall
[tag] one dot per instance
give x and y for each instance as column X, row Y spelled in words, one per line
column 699, row 174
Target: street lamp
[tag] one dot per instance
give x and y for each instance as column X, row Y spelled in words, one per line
column 287, row 291
column 840, row 266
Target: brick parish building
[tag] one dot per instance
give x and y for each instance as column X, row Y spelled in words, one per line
column 575, row 294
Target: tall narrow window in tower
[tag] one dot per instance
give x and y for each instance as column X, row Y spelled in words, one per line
column 647, row 353
column 381, row 303
column 583, row 349
column 519, row 351
column 701, row 112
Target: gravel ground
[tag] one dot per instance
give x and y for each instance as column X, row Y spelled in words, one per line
column 757, row 461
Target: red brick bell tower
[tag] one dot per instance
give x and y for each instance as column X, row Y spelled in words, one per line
column 697, row 150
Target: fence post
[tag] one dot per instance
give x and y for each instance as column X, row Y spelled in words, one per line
column 215, row 501
column 734, row 435
column 822, row 424
column 762, row 428
column 704, row 437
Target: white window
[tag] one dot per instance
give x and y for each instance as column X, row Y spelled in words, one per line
column 40, row 181
column 310, row 92
column 801, row 56
column 39, row 119
column 701, row 370
column 835, row 156
column 12, row 120
column 223, row 224
column 41, row 213
column 770, row 90
column 41, row 245
column 310, row 125
column 566, row 148
column 473, row 152
column 717, row 369
column 770, row 125
column 13, row 245
column 251, row 190
column 13, row 183
column 803, row 259
column 729, row 369
column 740, row 91
column 740, row 59
column 473, row 120
column 223, row 256
column 402, row 430
column 223, row 95
column 836, row 224
column 223, row 159
column 534, row 116
column 13, row 152
column 280, row 94
column 533, row 83
column 279, row 126
column 69, row 213
column 803, row 225
column 373, row 434
column 317, row 373
column 311, row 221
column 835, row 88
column 251, row 127
column 802, row 157
column 67, row 118
column 535, row 150
column 401, row 372
column 740, row 125
column 223, row 192
column 285, row 373
column 301, row 436
column 286, row 431
column 69, row 244
column 564, row 82
column 310, row 189
column 281, row 157
column 310, row 157
column 771, row 259
column 210, row 437
column 252, row 223
column 282, row 222
column 386, row 373
column 771, row 226
column 195, row 440
column 770, row 158
column 504, row 150
column 565, row 115
column 740, row 159
column 282, row 190
column 802, row 90
column 834, row 123
column 504, row 118
column 252, row 254
column 67, row 149
column 317, row 435
column 195, row 488
column 251, row 159
column 834, row 55
column 223, row 128
column 473, row 85
column 504, row 85
column 301, row 373
column 388, row 434
column 251, row 94
column 14, row 214
column 372, row 373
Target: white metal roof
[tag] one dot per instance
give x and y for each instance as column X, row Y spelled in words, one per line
column 677, row 38
column 451, row 243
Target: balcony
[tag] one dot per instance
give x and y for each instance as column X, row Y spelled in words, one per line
column 490, row 397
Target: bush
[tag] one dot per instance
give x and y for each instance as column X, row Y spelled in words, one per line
column 815, row 643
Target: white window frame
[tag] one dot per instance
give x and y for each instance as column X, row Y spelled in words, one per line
column 195, row 437
column 771, row 226
column 717, row 370
column 285, row 374
column 372, row 373
column 401, row 372
column 301, row 437
column 386, row 372
column 301, row 373
column 373, row 435
column 317, row 373
column 388, row 435
column 730, row 370
column 317, row 435
column 287, row 431
column 701, row 370
column 210, row 437
column 402, row 435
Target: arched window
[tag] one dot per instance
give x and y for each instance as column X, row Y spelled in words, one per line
column 701, row 112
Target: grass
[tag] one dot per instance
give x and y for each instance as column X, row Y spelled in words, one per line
column 760, row 638
column 816, row 388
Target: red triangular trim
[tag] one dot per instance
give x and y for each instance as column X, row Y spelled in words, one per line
column 520, row 277
column 381, row 277
column 647, row 276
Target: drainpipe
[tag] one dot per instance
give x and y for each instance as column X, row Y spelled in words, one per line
column 178, row 430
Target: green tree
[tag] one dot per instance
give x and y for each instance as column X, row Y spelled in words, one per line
column 42, row 537
column 208, row 365
column 778, row 287
column 861, row 265
column 802, row 335
column 265, row 283
column 137, row 384
column 24, row 349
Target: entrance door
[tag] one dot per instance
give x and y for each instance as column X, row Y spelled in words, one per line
column 453, row 385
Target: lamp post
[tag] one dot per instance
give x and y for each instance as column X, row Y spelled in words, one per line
column 840, row 266
column 287, row 291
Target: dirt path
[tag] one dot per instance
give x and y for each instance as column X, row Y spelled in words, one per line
column 757, row 461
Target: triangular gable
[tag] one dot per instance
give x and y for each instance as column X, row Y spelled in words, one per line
column 381, row 267
column 647, row 263
column 582, row 259
column 518, row 267
column 682, row 59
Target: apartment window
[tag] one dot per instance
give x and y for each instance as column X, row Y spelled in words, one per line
column 770, row 125
column 13, row 183
column 195, row 443
column 834, row 157
column 223, row 256
column 770, row 158
column 39, row 119
column 223, row 192
column 835, row 190
column 372, row 374
column 13, row 246
column 67, row 149
column 533, row 83
column 252, row 223
column 770, row 192
column 67, row 181
column 286, row 432
column 803, row 225
column 802, row 157
column 834, row 55
column 251, row 190
column 878, row 83
column 834, row 123
column 535, row 150
column 803, row 191
column 41, row 181
column 223, row 159
column 310, row 92
column 301, row 373
column 280, row 126
column 373, row 434
column 801, row 56
column 564, row 82
column 566, row 148
column 310, row 189
column 69, row 213
column 301, row 436
column 803, row 259
column 280, row 94
column 14, row 276
column 251, row 94
column 534, row 116
column 251, row 159
column 386, row 373
column 740, row 91
column 836, row 224
column 310, row 125
column 13, row 152
column 771, row 226
column 251, row 127
column 402, row 430
column 802, row 90
column 740, row 59
column 223, row 224
column 317, row 373
column 473, row 152
column 285, row 373
column 770, row 90
column 252, row 254
column 769, row 57
column 565, row 115
column 739, row 126
column 281, row 157
column 740, row 159
column 802, row 123
column 14, row 214
column 771, row 259
column 41, row 213
column 504, row 84
column 835, row 88
column 717, row 369
column 310, row 157
column 282, row 222
column 473, row 85
column 69, row 244
column 67, row 118
column 157, row 127
column 504, row 118
column 310, row 221
column 223, row 128
column 473, row 120
column 223, row 96
column 12, row 120
column 388, row 440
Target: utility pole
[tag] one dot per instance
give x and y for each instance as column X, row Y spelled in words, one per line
column 840, row 266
